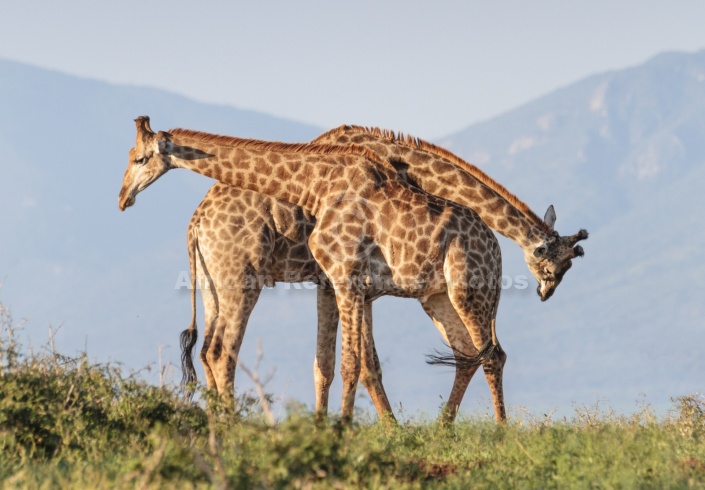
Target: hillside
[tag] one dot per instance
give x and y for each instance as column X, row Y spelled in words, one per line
column 600, row 145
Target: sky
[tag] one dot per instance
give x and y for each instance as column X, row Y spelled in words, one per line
column 424, row 68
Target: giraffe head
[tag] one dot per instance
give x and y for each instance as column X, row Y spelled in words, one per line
column 147, row 162
column 550, row 260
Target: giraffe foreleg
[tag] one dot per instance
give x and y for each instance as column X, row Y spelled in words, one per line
column 351, row 307
column 324, row 363
column 371, row 370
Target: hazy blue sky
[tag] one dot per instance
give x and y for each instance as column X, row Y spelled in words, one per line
column 427, row 68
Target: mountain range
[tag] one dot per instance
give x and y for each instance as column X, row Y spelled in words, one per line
column 620, row 153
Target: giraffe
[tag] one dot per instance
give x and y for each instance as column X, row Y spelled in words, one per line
column 440, row 172
column 374, row 235
column 431, row 167
column 238, row 242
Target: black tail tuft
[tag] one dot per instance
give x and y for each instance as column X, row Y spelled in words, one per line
column 459, row 359
column 188, row 342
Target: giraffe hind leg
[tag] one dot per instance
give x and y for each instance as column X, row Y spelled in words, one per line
column 235, row 306
column 451, row 327
column 494, row 368
column 210, row 307
column 351, row 308
column 479, row 323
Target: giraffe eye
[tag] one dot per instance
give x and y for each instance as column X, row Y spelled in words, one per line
column 141, row 161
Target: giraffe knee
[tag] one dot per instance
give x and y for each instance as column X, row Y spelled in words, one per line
column 203, row 355
column 501, row 357
column 208, row 357
column 350, row 373
column 496, row 363
column 366, row 378
column 370, row 371
column 323, row 373
column 213, row 350
column 370, row 378
column 322, row 381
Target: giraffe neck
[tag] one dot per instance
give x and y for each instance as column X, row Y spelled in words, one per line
column 440, row 172
column 297, row 173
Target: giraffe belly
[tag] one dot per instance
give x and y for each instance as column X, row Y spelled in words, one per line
column 293, row 262
column 410, row 281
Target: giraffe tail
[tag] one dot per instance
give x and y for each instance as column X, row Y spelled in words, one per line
column 461, row 360
column 190, row 335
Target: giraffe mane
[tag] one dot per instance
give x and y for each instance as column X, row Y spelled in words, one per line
column 419, row 144
column 322, row 149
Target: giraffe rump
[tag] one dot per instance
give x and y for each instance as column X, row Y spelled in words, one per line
column 461, row 360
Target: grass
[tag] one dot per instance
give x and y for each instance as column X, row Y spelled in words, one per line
column 69, row 423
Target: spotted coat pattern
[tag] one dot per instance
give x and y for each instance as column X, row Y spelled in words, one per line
column 374, row 234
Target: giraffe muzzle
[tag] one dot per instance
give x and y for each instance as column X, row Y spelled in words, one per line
column 545, row 292
column 125, row 201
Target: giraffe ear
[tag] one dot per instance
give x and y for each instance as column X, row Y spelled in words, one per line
column 160, row 142
column 550, row 217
